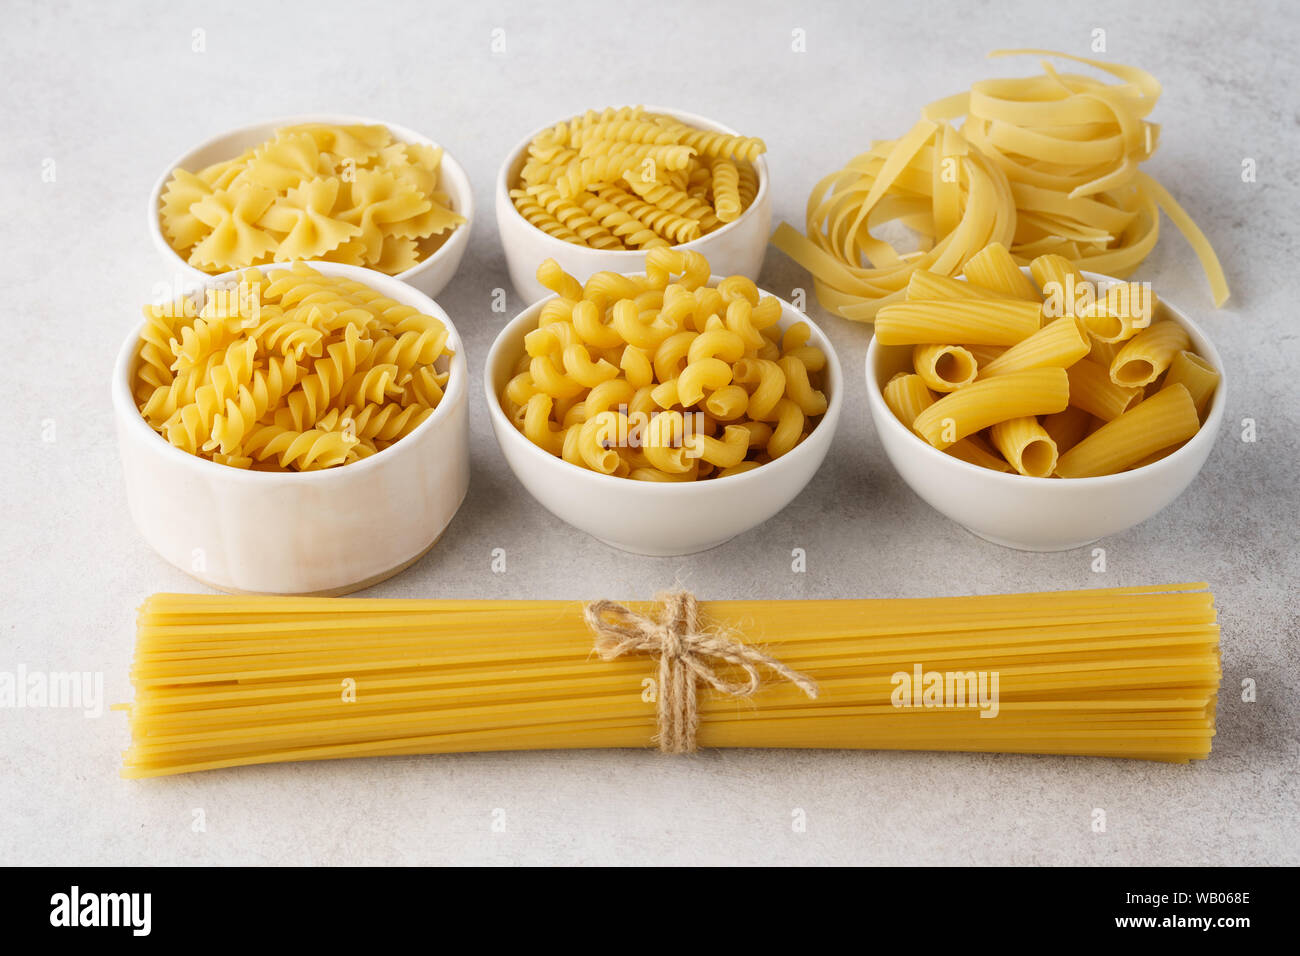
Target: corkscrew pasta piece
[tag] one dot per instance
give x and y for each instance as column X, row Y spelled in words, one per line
column 989, row 386
column 348, row 194
column 289, row 370
column 663, row 377
column 628, row 179
column 1044, row 165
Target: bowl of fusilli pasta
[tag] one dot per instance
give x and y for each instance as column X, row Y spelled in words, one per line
column 595, row 192
column 323, row 187
column 293, row 429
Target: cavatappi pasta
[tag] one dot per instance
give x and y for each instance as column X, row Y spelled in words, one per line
column 226, row 681
column 625, row 178
column 664, row 377
column 288, row 370
column 1043, row 164
column 347, row 194
column 1078, row 382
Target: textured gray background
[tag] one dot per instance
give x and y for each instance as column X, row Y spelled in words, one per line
column 113, row 94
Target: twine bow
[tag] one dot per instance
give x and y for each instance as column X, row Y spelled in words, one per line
column 688, row 655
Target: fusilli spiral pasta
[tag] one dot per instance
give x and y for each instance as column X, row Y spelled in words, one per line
column 292, row 370
column 626, row 178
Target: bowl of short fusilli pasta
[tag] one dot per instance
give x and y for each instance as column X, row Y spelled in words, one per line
column 662, row 412
column 293, row 429
column 596, row 191
column 334, row 187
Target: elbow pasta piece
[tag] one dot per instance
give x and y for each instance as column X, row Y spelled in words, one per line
column 308, row 371
column 1060, row 401
column 661, row 377
column 622, row 179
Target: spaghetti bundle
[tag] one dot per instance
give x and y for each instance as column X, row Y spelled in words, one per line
column 224, row 681
column 1045, row 164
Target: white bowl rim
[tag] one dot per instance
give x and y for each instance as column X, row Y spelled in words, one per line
column 829, row 419
column 403, row 133
column 503, row 186
column 458, row 372
column 1206, row 433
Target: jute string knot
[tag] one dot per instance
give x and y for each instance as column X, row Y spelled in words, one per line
column 688, row 655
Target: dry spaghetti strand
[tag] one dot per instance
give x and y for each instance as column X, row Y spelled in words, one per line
column 225, row 681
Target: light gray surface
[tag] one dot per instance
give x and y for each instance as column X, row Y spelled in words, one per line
column 112, row 94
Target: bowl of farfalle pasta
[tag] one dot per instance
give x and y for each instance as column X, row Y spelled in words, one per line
column 298, row 428
column 663, row 412
column 597, row 191
column 324, row 187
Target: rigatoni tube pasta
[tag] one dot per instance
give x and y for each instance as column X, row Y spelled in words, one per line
column 1039, row 391
column 1165, row 419
column 1042, row 398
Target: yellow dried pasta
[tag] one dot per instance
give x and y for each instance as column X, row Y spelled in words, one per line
column 1041, row 401
column 289, row 370
column 634, row 180
column 663, row 377
column 347, row 194
column 1043, row 165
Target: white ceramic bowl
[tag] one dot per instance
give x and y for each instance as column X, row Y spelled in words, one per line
column 316, row 532
column 735, row 249
column 647, row 517
column 429, row 276
column 1038, row 514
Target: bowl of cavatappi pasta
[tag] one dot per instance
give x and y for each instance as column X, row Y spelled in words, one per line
column 662, row 412
column 299, row 428
column 1041, row 407
column 595, row 192
column 321, row 187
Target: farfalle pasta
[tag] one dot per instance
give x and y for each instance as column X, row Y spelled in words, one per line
column 348, row 194
column 288, row 370
column 626, row 178
column 663, row 377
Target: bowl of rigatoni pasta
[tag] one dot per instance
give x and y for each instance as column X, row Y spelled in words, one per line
column 1040, row 407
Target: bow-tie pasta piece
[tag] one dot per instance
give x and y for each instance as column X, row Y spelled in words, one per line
column 349, row 194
